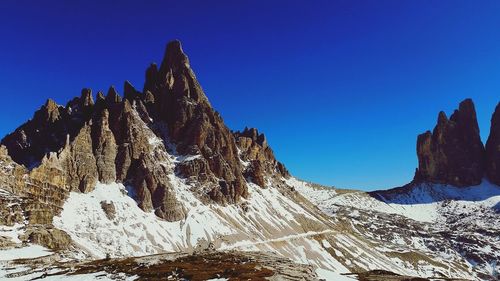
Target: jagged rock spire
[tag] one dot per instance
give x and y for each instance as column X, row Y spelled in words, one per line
column 100, row 96
column 151, row 80
column 117, row 141
column 49, row 111
column 129, row 91
column 193, row 124
column 453, row 153
column 254, row 149
column 174, row 57
column 493, row 148
column 113, row 97
column 86, row 98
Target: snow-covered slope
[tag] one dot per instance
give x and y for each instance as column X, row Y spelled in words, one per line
column 267, row 221
column 359, row 232
column 458, row 226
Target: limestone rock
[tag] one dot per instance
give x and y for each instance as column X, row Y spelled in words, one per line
column 453, row 153
column 129, row 92
column 192, row 122
column 29, row 143
column 255, row 150
column 104, row 148
column 168, row 206
column 109, row 209
column 493, row 149
column 80, row 162
column 86, row 98
column 50, row 111
column 70, row 148
column 49, row 237
column 112, row 97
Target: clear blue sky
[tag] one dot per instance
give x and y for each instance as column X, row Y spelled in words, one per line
column 340, row 88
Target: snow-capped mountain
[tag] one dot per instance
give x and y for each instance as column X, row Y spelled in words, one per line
column 156, row 178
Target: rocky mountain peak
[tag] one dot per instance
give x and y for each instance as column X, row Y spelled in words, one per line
column 493, row 148
column 129, row 92
column 126, row 140
column 86, row 98
column 254, row 149
column 453, row 153
column 112, row 96
column 174, row 56
column 465, row 118
column 151, row 80
column 253, row 134
column 100, row 97
column 442, row 119
column 49, row 112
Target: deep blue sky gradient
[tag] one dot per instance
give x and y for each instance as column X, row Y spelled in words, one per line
column 340, row 88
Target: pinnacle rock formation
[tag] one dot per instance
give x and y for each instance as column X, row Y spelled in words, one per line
column 195, row 126
column 260, row 157
column 493, row 148
column 133, row 141
column 453, row 152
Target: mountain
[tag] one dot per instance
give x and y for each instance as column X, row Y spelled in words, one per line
column 493, row 148
column 453, row 153
column 106, row 188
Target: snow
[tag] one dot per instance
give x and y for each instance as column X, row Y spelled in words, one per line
column 29, row 252
column 330, row 275
column 271, row 217
column 132, row 232
column 268, row 224
column 438, row 211
column 242, row 244
column 12, row 232
column 421, row 204
column 188, row 158
column 21, row 273
column 326, row 243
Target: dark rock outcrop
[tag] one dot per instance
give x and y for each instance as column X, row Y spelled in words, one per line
column 453, row 153
column 493, row 148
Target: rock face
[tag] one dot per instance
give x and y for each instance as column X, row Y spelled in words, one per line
column 32, row 197
column 453, row 153
column 195, row 126
column 104, row 148
column 259, row 156
column 132, row 140
column 493, row 149
column 80, row 163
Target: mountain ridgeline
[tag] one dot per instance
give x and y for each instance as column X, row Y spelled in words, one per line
column 453, row 152
column 157, row 171
column 129, row 140
column 126, row 140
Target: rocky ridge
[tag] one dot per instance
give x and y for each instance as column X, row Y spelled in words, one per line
column 126, row 140
column 453, row 152
column 169, row 150
column 493, row 149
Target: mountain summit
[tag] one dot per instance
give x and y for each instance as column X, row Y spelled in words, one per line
column 156, row 177
column 453, row 152
column 126, row 140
